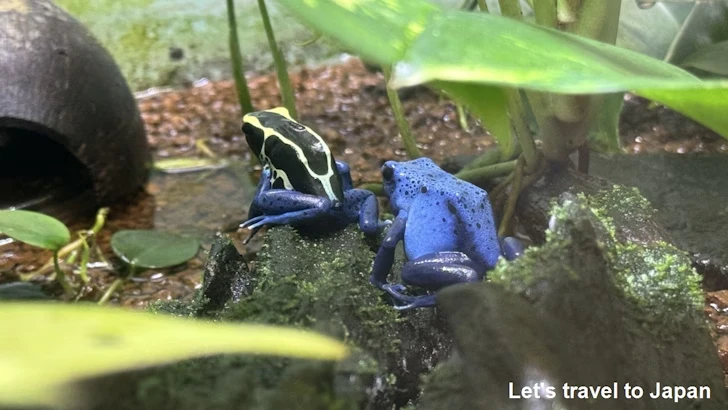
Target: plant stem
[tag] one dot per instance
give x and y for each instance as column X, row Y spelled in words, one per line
column 410, row 145
column 483, row 6
column 284, row 82
column 241, row 85
column 115, row 284
column 462, row 117
column 85, row 252
column 518, row 120
column 60, row 276
column 545, row 12
column 511, row 8
column 479, row 176
column 505, row 226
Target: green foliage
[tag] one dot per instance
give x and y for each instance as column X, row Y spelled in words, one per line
column 34, row 229
column 153, row 249
column 686, row 33
column 89, row 341
column 429, row 44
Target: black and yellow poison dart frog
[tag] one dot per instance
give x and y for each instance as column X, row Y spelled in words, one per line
column 301, row 183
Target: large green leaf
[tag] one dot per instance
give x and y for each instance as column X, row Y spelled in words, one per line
column 487, row 103
column 43, row 346
column 523, row 55
column 430, row 44
column 153, row 249
column 34, row 228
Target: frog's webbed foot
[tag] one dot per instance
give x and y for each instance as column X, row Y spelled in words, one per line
column 419, row 302
column 405, row 302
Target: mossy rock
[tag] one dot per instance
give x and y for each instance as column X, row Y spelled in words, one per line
column 589, row 307
column 315, row 282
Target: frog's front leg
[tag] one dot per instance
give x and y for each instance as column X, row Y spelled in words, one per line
column 385, row 255
column 362, row 205
column 254, row 210
column 282, row 207
column 345, row 172
column 433, row 272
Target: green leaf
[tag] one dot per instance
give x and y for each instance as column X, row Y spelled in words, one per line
column 653, row 30
column 487, row 103
column 712, row 58
column 442, row 45
column 153, row 249
column 46, row 345
column 706, row 24
column 379, row 31
column 34, row 229
column 524, row 55
column 707, row 104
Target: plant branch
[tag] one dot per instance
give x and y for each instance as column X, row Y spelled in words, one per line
column 410, row 145
column 479, row 176
column 241, row 85
column 483, row 6
column 284, row 82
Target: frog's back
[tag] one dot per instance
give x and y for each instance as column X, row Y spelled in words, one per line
column 453, row 215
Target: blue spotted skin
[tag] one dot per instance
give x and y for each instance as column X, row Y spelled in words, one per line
column 288, row 207
column 447, row 227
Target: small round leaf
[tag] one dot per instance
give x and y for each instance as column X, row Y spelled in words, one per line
column 153, row 249
column 34, row 229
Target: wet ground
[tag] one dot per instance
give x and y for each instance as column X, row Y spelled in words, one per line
column 348, row 106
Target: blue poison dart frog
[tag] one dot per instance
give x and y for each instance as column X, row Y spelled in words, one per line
column 301, row 183
column 447, row 227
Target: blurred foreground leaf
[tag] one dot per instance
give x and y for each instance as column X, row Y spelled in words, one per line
column 45, row 345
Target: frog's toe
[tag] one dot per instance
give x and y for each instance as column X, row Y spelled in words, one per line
column 511, row 247
column 419, row 302
column 385, row 223
column 252, row 223
column 396, row 291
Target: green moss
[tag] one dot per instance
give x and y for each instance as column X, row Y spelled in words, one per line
column 302, row 280
column 657, row 278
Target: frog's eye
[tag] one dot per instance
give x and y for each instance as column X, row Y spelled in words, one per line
column 387, row 173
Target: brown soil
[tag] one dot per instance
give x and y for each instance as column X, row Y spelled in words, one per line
column 348, row 106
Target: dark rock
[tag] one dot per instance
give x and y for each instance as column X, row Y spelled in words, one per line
column 581, row 309
column 226, row 278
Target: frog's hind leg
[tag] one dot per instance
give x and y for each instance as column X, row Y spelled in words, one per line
column 433, row 272
column 281, row 207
